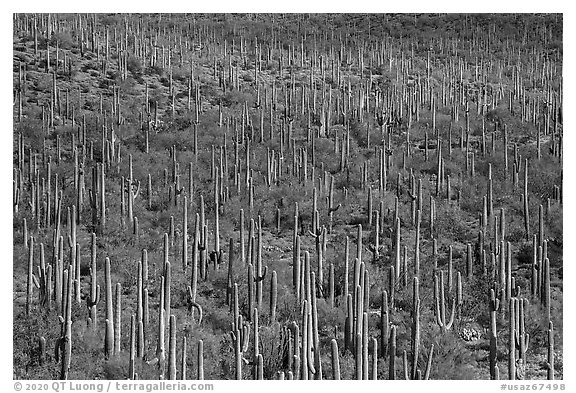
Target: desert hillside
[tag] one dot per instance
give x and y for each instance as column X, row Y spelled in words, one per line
column 287, row 196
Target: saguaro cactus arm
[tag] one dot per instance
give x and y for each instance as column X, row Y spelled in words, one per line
column 193, row 304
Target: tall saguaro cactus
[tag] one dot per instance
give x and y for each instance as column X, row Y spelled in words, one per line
column 109, row 336
column 441, row 304
column 494, row 306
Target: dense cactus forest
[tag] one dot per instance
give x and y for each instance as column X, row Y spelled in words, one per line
column 287, row 196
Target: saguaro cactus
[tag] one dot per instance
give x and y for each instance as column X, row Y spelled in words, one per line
column 230, row 278
column 441, row 304
column 31, row 277
column 200, row 361
column 392, row 354
column 522, row 337
column 349, row 323
column 415, row 333
column 494, row 307
column 132, row 361
column 335, row 360
column 384, row 325
column 511, row 341
column 273, row 296
column 109, row 336
column 160, row 347
column 64, row 343
column 172, row 349
column 118, row 319
column 525, row 200
column 546, row 287
column 429, row 363
column 193, row 304
column 374, row 370
column 41, row 350
column 183, row 360
column 94, row 298
column 185, row 234
column 550, row 362
column 296, row 266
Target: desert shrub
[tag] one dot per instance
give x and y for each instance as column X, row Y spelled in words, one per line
column 537, row 322
column 274, row 348
column 64, row 40
column 247, row 77
column 116, row 368
column 347, row 364
column 287, row 308
column 128, row 87
column 165, row 140
column 266, row 207
column 324, row 153
column 157, row 96
column 234, row 98
column 218, row 320
column 134, row 65
column 21, row 57
column 452, row 223
column 476, row 294
column 524, row 254
column 451, row 358
column 31, row 129
column 155, row 70
column 554, row 224
column 543, row 176
column 331, row 319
